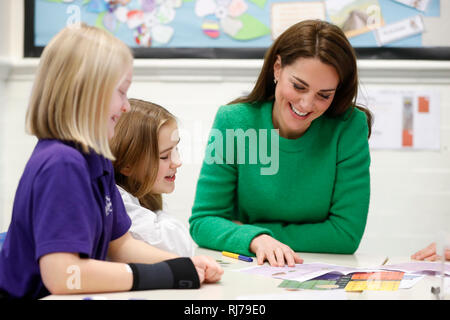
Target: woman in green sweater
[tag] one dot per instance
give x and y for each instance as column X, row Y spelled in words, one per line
column 287, row 167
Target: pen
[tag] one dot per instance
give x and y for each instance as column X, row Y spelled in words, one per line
column 95, row 298
column 385, row 261
column 237, row 256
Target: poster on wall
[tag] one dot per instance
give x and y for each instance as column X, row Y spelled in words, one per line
column 404, row 119
column 230, row 27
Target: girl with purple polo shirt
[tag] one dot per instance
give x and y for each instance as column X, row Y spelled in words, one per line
column 69, row 228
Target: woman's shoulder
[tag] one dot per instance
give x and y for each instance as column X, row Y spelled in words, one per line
column 240, row 114
column 241, row 108
column 357, row 114
column 351, row 125
column 353, row 116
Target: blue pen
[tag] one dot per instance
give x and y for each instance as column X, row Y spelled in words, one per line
column 95, row 298
column 237, row 256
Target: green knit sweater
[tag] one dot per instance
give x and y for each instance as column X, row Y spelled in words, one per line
column 311, row 193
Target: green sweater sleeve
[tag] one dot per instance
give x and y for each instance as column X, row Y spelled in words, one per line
column 213, row 212
column 342, row 231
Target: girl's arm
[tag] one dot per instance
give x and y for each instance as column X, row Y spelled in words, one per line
column 67, row 273
column 127, row 249
column 157, row 229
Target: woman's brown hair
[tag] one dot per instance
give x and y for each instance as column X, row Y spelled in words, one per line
column 312, row 39
column 135, row 147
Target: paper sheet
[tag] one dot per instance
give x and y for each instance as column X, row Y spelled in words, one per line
column 419, row 267
column 355, row 17
column 403, row 118
column 409, row 280
column 418, row 4
column 300, row 272
column 333, row 281
column 399, row 30
column 285, row 14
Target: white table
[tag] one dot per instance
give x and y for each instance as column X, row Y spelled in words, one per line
column 242, row 286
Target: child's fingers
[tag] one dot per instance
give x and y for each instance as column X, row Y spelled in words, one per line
column 213, row 275
column 425, row 253
column 208, row 268
column 201, row 274
column 213, row 271
column 433, row 257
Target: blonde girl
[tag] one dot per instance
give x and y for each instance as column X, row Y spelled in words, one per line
column 147, row 159
column 68, row 217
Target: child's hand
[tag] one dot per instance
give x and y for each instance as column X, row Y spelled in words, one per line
column 429, row 254
column 208, row 269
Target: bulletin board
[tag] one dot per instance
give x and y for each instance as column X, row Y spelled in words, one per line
column 238, row 29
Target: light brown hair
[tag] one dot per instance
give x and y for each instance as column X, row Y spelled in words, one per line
column 135, row 147
column 78, row 72
column 312, row 39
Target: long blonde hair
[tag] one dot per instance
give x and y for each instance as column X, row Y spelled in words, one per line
column 77, row 75
column 135, row 145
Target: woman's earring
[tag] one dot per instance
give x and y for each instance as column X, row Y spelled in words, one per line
column 275, row 81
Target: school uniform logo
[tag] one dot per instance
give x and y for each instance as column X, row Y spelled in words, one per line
column 108, row 206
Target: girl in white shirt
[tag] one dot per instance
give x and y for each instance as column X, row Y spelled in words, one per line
column 145, row 146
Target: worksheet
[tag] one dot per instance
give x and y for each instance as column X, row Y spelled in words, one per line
column 360, row 281
column 300, row 272
column 403, row 118
column 420, row 267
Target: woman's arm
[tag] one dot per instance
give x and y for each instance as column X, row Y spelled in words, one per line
column 342, row 230
column 211, row 223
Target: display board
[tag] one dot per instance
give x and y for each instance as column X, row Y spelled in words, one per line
column 237, row 28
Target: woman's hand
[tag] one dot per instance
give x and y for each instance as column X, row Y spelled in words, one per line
column 278, row 254
column 208, row 269
column 429, row 254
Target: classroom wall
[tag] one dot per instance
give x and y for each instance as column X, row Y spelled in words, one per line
column 410, row 198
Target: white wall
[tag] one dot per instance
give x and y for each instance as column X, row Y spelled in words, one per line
column 410, row 199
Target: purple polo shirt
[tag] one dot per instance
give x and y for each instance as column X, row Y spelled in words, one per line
column 66, row 201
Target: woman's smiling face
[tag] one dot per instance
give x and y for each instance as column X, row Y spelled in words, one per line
column 304, row 91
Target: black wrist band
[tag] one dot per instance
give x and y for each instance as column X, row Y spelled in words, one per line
column 184, row 272
column 151, row 276
column 179, row 273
